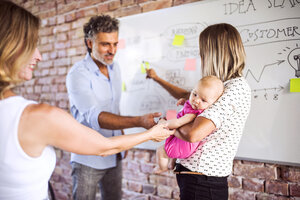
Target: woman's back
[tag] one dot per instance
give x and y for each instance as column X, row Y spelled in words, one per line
column 21, row 176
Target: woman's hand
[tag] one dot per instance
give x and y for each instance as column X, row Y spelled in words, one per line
column 160, row 132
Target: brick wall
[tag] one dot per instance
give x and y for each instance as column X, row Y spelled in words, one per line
column 61, row 45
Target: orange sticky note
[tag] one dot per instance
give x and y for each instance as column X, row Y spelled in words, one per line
column 178, row 40
column 121, row 44
column 171, row 114
column 190, row 64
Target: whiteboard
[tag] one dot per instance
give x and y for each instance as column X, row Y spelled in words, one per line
column 270, row 30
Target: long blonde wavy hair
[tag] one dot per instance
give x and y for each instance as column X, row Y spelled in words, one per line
column 222, row 52
column 18, row 41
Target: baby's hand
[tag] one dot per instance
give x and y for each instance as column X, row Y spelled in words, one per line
column 162, row 121
column 181, row 101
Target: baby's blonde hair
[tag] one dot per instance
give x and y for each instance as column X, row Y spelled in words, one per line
column 18, row 40
column 213, row 83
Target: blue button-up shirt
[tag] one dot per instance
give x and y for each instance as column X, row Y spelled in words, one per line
column 90, row 93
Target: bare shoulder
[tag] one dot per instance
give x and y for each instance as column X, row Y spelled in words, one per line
column 42, row 111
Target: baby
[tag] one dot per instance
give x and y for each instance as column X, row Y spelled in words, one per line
column 206, row 92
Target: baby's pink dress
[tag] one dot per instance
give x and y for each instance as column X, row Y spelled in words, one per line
column 177, row 148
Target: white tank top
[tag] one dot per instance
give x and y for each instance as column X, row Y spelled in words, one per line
column 21, row 177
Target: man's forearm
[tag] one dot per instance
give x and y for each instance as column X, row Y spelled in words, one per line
column 175, row 91
column 112, row 121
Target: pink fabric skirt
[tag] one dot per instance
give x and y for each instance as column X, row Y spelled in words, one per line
column 177, row 148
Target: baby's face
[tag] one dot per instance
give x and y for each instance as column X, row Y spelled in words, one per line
column 202, row 97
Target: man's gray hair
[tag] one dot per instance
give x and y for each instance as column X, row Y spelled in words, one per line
column 97, row 24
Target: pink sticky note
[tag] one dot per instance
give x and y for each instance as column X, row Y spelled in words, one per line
column 121, row 44
column 171, row 114
column 190, row 64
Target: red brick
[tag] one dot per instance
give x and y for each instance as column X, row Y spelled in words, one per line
column 47, row 6
column 62, row 28
column 70, row 17
column 47, row 14
column 60, row 19
column 90, row 12
column 134, row 186
column 290, row 174
column 134, row 166
column 62, row 53
column 164, row 191
column 264, row 196
column 149, row 189
column 142, row 156
column 62, row 45
column 45, row 64
column 127, row 11
column 51, row 21
column 61, row 62
column 295, row 190
column 127, row 2
column 45, row 72
column 156, row 5
column 79, row 14
column 180, row 2
column 114, row 4
column 253, row 185
column 45, row 48
column 45, row 31
column 102, row 8
column 277, row 187
column 237, row 194
column 79, row 23
column 62, row 71
column 64, row 8
column 234, row 182
column 147, row 168
column 61, row 37
column 77, row 42
column 254, row 171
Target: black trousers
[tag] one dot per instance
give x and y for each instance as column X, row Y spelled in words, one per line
column 201, row 187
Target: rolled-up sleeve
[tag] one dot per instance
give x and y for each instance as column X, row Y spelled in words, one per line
column 84, row 104
column 221, row 109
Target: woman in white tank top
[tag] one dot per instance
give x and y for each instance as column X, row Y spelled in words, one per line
column 28, row 130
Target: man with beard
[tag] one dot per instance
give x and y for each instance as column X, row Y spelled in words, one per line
column 94, row 90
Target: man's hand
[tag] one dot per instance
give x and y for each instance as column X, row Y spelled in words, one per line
column 151, row 74
column 147, row 121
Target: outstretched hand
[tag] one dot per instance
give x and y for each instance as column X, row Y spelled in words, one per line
column 147, row 121
column 160, row 132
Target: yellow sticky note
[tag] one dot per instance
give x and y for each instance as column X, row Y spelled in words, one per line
column 123, row 87
column 178, row 40
column 147, row 65
column 295, row 85
column 143, row 70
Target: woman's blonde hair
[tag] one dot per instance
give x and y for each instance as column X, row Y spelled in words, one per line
column 18, row 40
column 222, row 52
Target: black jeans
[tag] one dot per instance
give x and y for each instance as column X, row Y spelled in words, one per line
column 200, row 187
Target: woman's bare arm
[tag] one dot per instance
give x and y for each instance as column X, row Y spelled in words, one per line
column 43, row 125
column 196, row 131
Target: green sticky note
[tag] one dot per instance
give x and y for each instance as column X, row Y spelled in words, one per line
column 143, row 70
column 147, row 65
column 123, row 87
column 178, row 40
column 295, row 85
